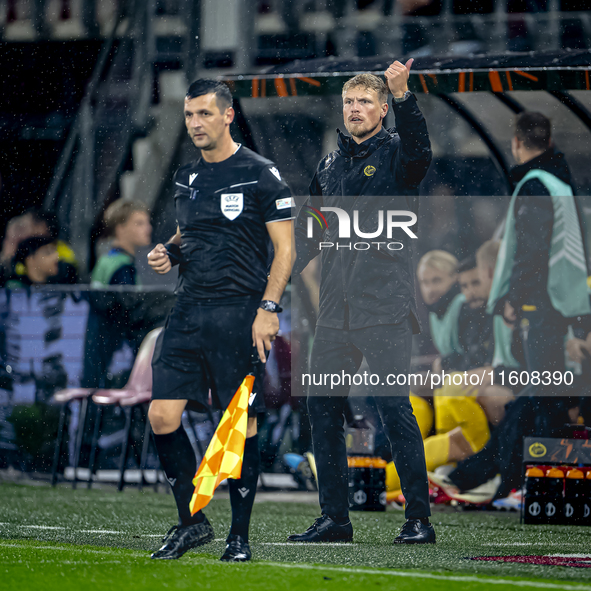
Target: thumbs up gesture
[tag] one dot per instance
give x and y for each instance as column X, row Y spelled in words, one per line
column 397, row 77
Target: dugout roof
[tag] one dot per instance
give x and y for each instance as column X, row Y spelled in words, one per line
column 482, row 91
column 551, row 71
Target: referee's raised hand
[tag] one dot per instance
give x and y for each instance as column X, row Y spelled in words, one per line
column 159, row 260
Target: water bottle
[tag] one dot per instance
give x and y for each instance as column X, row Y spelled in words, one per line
column 533, row 500
column 367, row 474
column 574, row 490
column 360, row 437
column 553, row 499
column 587, row 499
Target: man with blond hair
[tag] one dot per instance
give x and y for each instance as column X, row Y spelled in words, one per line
column 109, row 323
column 367, row 300
column 128, row 223
column 437, row 275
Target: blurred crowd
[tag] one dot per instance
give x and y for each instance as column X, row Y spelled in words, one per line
column 33, row 253
column 422, row 23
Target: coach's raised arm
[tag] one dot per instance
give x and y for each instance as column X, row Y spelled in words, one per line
column 413, row 156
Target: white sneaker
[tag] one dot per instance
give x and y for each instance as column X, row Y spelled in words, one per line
column 441, row 481
column 482, row 494
column 511, row 503
column 477, row 496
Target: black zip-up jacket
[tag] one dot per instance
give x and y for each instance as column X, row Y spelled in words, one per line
column 534, row 222
column 360, row 288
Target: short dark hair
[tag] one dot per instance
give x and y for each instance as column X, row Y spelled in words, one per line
column 468, row 264
column 533, row 129
column 206, row 86
column 29, row 246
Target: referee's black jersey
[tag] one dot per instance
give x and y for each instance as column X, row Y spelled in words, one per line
column 222, row 209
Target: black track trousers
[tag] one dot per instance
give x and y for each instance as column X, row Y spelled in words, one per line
column 387, row 349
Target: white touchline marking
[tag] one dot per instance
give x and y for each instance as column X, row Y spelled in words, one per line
column 73, row 548
column 73, row 562
column 419, row 575
column 85, row 531
column 100, row 531
column 496, row 545
column 324, row 544
column 40, row 526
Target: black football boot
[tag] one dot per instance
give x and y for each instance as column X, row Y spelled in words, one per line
column 324, row 529
column 237, row 550
column 414, row 531
column 179, row 539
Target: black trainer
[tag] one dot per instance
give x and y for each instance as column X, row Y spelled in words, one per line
column 237, row 550
column 324, row 529
column 414, row 531
column 180, row 539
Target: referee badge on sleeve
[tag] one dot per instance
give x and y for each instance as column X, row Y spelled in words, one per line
column 232, row 204
column 284, row 203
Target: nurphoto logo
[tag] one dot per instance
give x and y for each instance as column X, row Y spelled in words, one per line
column 388, row 221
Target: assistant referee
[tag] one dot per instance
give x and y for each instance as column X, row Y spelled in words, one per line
column 231, row 205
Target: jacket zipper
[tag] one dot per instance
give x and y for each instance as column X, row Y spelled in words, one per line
column 349, row 161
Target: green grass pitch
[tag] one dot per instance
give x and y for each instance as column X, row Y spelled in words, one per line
column 65, row 540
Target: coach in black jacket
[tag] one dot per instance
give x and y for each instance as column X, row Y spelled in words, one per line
column 367, row 300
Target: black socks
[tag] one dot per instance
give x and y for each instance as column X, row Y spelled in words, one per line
column 242, row 491
column 179, row 464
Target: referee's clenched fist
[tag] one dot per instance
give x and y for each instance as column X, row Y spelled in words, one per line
column 158, row 259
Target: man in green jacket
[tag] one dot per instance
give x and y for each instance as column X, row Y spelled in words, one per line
column 540, row 281
column 108, row 320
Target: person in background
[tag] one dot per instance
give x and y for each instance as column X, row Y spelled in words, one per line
column 539, row 283
column 461, row 423
column 128, row 223
column 34, row 223
column 109, row 320
column 38, row 259
column 437, row 274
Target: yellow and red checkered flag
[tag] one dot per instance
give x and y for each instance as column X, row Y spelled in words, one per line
column 223, row 458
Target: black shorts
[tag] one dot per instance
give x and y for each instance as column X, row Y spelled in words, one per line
column 204, row 353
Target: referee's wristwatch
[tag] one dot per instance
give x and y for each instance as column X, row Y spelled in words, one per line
column 270, row 306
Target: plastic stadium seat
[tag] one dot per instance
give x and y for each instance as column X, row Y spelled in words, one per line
column 137, row 391
column 64, row 397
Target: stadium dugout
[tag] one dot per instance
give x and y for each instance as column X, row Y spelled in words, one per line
column 481, row 90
